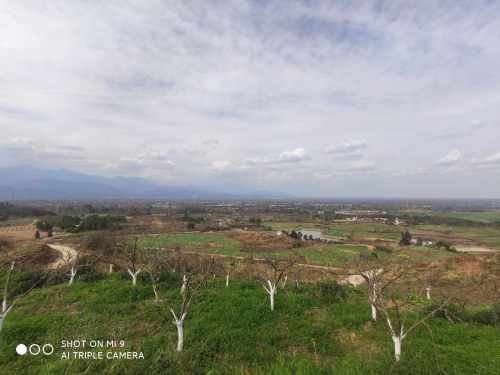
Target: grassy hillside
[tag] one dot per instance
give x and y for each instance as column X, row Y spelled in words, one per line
column 232, row 331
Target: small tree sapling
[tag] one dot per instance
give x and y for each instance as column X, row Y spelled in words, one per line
column 193, row 283
column 279, row 268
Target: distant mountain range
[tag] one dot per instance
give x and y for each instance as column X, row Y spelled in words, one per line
column 28, row 183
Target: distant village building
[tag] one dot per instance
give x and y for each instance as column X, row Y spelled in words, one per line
column 397, row 221
column 421, row 242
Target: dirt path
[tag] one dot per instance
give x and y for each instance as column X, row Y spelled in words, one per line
column 474, row 249
column 67, row 254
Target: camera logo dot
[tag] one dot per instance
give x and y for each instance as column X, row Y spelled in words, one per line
column 35, row 349
column 21, row 349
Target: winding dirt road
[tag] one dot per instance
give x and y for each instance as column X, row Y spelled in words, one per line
column 66, row 255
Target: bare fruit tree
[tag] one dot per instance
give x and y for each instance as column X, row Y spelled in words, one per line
column 73, row 269
column 6, row 305
column 132, row 255
column 193, row 283
column 397, row 311
column 279, row 269
column 156, row 261
column 232, row 267
column 378, row 275
column 105, row 247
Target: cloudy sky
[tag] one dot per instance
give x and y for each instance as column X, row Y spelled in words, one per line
column 313, row 98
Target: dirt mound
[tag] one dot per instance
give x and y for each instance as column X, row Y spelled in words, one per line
column 35, row 258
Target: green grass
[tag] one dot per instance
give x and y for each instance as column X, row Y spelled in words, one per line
column 333, row 255
column 336, row 232
column 205, row 242
column 322, row 254
column 220, row 244
column 232, row 331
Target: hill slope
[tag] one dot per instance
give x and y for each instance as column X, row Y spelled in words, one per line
column 232, row 331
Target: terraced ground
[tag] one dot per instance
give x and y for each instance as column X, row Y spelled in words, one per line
column 326, row 254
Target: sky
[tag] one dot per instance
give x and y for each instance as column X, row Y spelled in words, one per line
column 311, row 98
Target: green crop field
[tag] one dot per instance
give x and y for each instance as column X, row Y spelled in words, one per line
column 221, row 244
column 336, row 232
column 232, row 331
column 332, row 255
column 204, row 242
column 489, row 236
column 322, row 254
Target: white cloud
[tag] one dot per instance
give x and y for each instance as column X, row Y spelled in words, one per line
column 220, row 165
column 286, row 157
column 292, row 156
column 450, row 159
column 348, row 147
column 490, row 160
column 164, row 89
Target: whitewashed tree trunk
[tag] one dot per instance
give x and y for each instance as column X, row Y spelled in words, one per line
column 134, row 275
column 111, row 268
column 184, row 283
column 155, row 290
column 371, row 280
column 398, row 340
column 283, row 284
column 72, row 274
column 428, row 293
column 272, row 290
column 374, row 313
column 179, row 323
column 6, row 288
column 227, row 280
column 3, row 315
column 373, row 300
column 180, row 335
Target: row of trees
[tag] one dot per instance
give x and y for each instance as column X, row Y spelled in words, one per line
column 386, row 298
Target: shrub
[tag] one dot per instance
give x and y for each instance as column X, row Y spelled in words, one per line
column 383, row 249
column 452, row 312
column 43, row 226
column 89, row 273
column 100, row 222
column 490, row 316
column 405, row 239
column 68, row 223
column 445, row 245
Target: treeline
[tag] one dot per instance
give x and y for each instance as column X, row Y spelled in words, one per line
column 76, row 224
column 8, row 211
column 442, row 220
